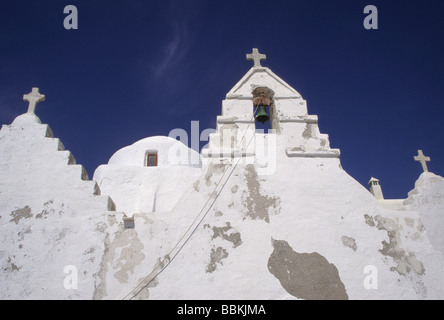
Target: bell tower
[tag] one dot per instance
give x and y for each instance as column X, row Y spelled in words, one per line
column 261, row 96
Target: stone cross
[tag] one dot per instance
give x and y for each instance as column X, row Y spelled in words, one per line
column 423, row 159
column 33, row 98
column 256, row 57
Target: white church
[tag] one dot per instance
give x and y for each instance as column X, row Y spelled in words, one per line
column 256, row 215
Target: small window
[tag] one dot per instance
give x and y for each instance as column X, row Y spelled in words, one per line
column 151, row 159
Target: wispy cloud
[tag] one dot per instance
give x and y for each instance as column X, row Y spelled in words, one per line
column 178, row 42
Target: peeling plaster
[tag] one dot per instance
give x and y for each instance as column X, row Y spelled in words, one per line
column 216, row 257
column 213, row 169
column 406, row 261
column 349, row 242
column 369, row 220
column 307, row 132
column 12, row 266
column 258, row 205
column 196, row 185
column 19, row 214
column 218, row 213
column 125, row 253
column 222, row 232
column 305, row 275
column 100, row 289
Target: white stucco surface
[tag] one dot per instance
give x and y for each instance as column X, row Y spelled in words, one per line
column 277, row 218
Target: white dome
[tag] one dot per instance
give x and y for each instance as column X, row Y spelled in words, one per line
column 170, row 152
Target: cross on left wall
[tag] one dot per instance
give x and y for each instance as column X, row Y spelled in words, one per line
column 33, row 98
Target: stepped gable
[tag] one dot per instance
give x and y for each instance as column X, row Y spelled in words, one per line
column 53, row 220
column 36, row 163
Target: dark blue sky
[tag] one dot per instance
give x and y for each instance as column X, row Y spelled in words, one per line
column 140, row 68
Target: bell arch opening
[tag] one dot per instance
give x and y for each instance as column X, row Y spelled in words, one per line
column 263, row 108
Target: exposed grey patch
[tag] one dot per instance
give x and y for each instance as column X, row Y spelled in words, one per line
column 258, row 205
column 12, row 266
column 21, row 234
column 369, row 220
column 234, row 189
column 305, row 275
column 45, row 212
column 62, row 234
column 409, row 221
column 19, row 214
column 349, row 242
column 123, row 253
column 406, row 261
column 420, row 288
column 323, row 142
column 196, row 185
column 153, row 283
column 216, row 257
column 100, row 287
column 90, row 251
column 420, row 227
column 144, row 293
column 102, row 226
column 130, row 255
column 415, row 236
column 233, row 237
column 41, row 214
column 213, row 169
column 150, row 282
column 218, row 213
column 146, row 220
column 163, row 262
column 300, row 148
column 61, row 210
column 307, row 132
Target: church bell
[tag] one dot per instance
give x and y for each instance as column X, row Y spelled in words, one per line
column 262, row 115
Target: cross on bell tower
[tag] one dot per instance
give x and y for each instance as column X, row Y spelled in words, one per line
column 33, row 98
column 256, row 57
column 423, row 159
